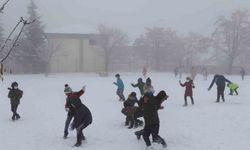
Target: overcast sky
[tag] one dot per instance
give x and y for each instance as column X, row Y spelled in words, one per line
column 132, row 16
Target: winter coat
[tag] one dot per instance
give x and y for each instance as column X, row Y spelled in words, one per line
column 140, row 85
column 151, row 111
column 148, row 89
column 129, row 106
column 15, row 95
column 119, row 84
column 219, row 80
column 130, row 102
column 81, row 113
column 233, row 86
column 189, row 88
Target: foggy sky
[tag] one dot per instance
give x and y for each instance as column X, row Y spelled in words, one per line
column 132, row 16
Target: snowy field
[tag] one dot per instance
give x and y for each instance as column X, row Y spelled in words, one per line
column 205, row 126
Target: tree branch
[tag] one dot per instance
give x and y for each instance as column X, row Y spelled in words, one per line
column 2, row 8
column 8, row 38
column 25, row 22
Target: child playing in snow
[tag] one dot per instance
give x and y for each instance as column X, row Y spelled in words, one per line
column 189, row 90
column 233, row 88
column 129, row 109
column 140, row 84
column 148, row 88
column 15, row 94
column 120, row 87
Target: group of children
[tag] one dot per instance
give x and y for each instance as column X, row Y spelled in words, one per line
column 147, row 106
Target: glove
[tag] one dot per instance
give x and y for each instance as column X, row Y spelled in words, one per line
column 83, row 88
column 67, row 109
column 209, row 89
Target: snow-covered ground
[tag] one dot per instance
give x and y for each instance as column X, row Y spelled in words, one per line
column 205, row 126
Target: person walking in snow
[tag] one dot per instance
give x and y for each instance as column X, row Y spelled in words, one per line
column 242, row 73
column 140, row 84
column 189, row 90
column 176, row 72
column 82, row 115
column 220, row 81
column 120, row 87
column 15, row 94
column 69, row 109
column 233, row 88
column 151, row 106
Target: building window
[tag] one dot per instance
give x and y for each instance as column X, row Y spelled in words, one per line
column 92, row 42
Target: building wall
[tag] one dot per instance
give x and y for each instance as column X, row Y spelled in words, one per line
column 74, row 54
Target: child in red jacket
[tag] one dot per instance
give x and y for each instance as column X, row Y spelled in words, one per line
column 189, row 90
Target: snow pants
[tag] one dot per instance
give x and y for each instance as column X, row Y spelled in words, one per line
column 154, row 131
column 220, row 93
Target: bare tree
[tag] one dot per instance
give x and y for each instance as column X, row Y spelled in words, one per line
column 111, row 37
column 195, row 47
column 24, row 23
column 231, row 36
column 161, row 46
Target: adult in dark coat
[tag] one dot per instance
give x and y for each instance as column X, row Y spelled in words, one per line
column 220, row 82
column 189, row 90
column 151, row 106
column 82, row 115
column 15, row 94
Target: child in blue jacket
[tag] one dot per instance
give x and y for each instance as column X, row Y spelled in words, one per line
column 120, row 87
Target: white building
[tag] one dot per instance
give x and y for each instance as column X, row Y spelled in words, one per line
column 75, row 53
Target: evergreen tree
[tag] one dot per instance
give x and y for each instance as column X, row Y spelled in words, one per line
column 32, row 44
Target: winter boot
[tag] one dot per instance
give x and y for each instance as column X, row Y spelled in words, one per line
column 78, row 144
column 65, row 135
column 13, row 118
column 164, row 144
column 17, row 116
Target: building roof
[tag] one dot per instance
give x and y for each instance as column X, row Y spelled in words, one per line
column 71, row 35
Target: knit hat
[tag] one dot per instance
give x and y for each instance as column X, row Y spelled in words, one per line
column 14, row 84
column 133, row 94
column 148, row 81
column 67, row 89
